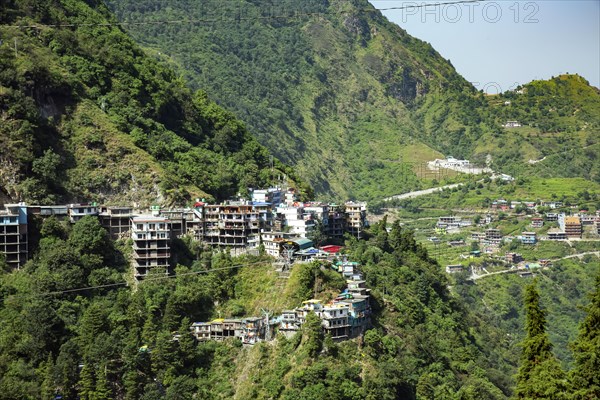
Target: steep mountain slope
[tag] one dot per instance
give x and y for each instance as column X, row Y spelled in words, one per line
column 330, row 86
column 560, row 132
column 352, row 100
column 87, row 116
column 111, row 342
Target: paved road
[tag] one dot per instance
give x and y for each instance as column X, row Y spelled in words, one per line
column 417, row 193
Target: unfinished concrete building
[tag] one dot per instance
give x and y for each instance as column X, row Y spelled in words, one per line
column 356, row 216
column 13, row 234
column 116, row 221
column 236, row 223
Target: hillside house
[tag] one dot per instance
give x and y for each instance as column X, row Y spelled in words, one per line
column 14, row 234
column 513, row 258
column 78, row 211
column 289, row 323
column 528, row 238
column 454, row 269
column 512, row 124
column 151, row 244
column 537, row 222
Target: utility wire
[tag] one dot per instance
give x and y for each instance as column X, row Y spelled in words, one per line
column 242, row 18
column 125, row 283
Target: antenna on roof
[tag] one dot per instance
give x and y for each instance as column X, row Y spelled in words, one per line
column 272, row 171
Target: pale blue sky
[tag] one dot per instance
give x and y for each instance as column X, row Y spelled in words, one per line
column 497, row 44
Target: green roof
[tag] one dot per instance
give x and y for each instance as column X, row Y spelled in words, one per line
column 303, row 243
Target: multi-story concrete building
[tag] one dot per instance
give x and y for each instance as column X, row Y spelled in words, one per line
column 116, row 221
column 178, row 218
column 211, row 224
column 78, row 211
column 295, row 220
column 493, row 237
column 336, row 226
column 274, row 196
column 289, row 323
column 556, row 235
column 14, row 234
column 551, row 217
column 356, row 217
column 236, row 223
column 151, row 244
column 513, row 258
column 334, row 319
column 58, row 211
column 453, row 269
column 195, row 224
column 537, row 222
column 571, row 225
column 528, row 238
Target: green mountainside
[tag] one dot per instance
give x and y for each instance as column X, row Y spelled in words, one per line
column 86, row 115
column 107, row 341
column 346, row 96
column 353, row 101
column 560, row 132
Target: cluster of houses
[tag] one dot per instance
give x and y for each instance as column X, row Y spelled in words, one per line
column 455, row 164
column 569, row 227
column 272, row 217
column 347, row 316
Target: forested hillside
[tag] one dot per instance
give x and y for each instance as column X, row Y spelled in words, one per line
column 329, row 86
column 560, row 131
column 354, row 101
column 108, row 341
column 86, row 115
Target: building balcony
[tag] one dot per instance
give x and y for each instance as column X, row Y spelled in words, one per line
column 149, row 256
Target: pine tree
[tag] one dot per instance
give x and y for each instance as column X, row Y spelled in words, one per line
column 585, row 376
column 540, row 375
column 87, row 383
column 103, row 391
column 312, row 335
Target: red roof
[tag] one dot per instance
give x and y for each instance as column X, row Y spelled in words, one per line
column 331, row 248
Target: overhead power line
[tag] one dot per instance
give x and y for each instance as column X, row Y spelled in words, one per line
column 291, row 15
column 125, row 283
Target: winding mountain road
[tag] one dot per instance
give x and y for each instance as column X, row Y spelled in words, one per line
column 417, row 193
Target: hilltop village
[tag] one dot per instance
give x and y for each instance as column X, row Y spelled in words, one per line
column 272, row 220
column 507, row 236
column 346, row 316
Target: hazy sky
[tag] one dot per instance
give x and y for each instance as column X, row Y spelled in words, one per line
column 497, row 44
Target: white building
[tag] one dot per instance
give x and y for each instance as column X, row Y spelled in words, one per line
column 295, row 220
column 151, row 244
column 78, row 211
